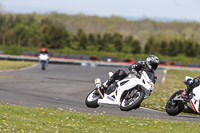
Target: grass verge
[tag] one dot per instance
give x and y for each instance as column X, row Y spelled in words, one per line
column 24, row 119
column 10, row 65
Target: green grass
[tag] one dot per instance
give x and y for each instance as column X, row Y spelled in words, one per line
column 10, row 65
column 45, row 120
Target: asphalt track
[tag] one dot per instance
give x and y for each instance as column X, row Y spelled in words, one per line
column 66, row 87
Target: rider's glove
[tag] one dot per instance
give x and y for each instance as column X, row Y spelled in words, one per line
column 184, row 93
column 132, row 71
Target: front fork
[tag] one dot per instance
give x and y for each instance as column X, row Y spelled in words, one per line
column 43, row 63
column 98, row 86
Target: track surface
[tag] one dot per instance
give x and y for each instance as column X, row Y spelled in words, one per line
column 66, row 86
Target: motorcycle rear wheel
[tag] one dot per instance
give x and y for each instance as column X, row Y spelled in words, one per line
column 92, row 99
column 174, row 108
column 132, row 102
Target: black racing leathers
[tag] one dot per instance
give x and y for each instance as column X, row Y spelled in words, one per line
column 141, row 66
column 138, row 66
column 192, row 83
column 44, row 52
column 121, row 74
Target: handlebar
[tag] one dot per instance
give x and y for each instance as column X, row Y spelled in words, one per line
column 136, row 73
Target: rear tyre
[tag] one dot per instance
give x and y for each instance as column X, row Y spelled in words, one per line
column 174, row 108
column 92, row 99
column 132, row 101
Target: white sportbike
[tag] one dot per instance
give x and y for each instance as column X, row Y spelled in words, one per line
column 178, row 103
column 44, row 59
column 127, row 93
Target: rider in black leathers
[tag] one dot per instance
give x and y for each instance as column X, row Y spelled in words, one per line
column 191, row 83
column 150, row 64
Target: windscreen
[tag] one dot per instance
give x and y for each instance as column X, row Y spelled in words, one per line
column 151, row 76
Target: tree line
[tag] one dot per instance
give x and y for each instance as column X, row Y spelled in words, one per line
column 33, row 30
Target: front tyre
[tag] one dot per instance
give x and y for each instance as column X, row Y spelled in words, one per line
column 132, row 101
column 43, row 64
column 43, row 67
column 92, row 99
column 174, row 108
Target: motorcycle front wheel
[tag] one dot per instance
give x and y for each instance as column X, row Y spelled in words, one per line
column 132, row 100
column 43, row 67
column 174, row 108
column 92, row 99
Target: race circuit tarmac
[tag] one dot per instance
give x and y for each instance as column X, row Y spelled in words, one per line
column 66, row 87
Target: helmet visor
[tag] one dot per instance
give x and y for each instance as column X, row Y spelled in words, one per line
column 154, row 66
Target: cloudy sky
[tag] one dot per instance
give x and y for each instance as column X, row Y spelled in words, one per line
column 188, row 10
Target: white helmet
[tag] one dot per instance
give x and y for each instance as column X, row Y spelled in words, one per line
column 152, row 62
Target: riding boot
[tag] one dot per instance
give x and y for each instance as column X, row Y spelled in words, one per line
column 108, row 83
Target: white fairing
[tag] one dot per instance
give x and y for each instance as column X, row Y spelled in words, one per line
column 43, row 57
column 195, row 100
column 126, row 84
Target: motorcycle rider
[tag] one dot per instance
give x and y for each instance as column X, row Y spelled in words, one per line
column 44, row 52
column 44, row 55
column 150, row 64
column 191, row 83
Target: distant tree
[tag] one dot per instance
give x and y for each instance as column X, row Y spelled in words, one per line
column 136, row 47
column 149, row 47
column 172, row 49
column 10, row 37
column 107, row 38
column 196, row 49
column 74, row 44
column 100, row 43
column 47, row 21
column 26, row 35
column 52, row 36
column 30, row 20
column 127, row 44
column 163, row 47
column 108, row 42
column 82, row 39
column 92, row 42
column 128, row 39
column 91, row 39
column 180, row 46
column 189, row 48
column 118, row 41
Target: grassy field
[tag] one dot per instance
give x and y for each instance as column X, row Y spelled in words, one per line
column 10, row 65
column 44, row 120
